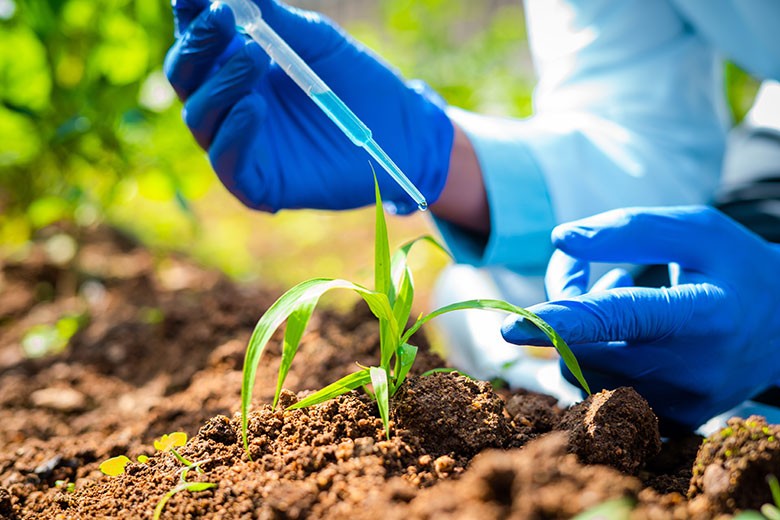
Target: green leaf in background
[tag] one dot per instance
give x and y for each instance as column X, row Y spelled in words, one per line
column 560, row 345
column 123, row 55
column 382, row 395
column 342, row 386
column 25, row 80
column 749, row 515
column 21, row 142
column 617, row 509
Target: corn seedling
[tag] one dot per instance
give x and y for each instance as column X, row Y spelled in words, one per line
column 67, row 487
column 391, row 302
column 165, row 444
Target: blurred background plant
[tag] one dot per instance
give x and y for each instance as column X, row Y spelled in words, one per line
column 90, row 132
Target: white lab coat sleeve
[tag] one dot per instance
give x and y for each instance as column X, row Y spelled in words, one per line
column 629, row 110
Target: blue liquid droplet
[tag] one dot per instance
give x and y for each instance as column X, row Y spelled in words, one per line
column 423, row 206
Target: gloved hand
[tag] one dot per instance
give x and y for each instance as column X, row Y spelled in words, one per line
column 270, row 145
column 694, row 349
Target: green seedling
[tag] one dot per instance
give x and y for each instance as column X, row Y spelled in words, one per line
column 67, row 487
column 114, row 466
column 391, row 302
column 48, row 340
column 192, row 487
column 166, row 444
column 169, row 442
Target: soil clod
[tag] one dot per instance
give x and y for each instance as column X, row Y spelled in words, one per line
column 733, row 463
column 451, row 414
column 613, row 427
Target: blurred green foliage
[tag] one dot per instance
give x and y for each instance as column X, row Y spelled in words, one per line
column 91, row 131
column 85, row 112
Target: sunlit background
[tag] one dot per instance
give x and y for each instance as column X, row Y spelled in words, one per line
column 90, row 131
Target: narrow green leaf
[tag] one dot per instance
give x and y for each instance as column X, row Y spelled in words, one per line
column 560, row 345
column 404, row 298
column 389, row 333
column 749, row 515
column 406, row 356
column 382, row 278
column 342, row 386
column 302, row 294
column 402, row 278
column 616, row 509
column 388, row 340
column 184, row 486
column 399, row 261
column 296, row 325
column 774, row 487
column 770, row 512
column 382, row 394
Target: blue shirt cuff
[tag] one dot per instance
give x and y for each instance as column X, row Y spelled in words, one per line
column 521, row 212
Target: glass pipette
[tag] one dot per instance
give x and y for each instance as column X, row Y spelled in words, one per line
column 250, row 21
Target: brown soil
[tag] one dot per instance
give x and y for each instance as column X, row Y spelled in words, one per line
column 161, row 350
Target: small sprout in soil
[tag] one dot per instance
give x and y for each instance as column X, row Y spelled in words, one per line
column 391, row 302
column 67, row 487
column 192, row 487
column 142, row 459
column 48, row 340
column 114, row 466
column 169, row 442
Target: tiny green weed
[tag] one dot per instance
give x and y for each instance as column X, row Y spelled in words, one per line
column 65, row 486
column 165, row 444
column 391, row 302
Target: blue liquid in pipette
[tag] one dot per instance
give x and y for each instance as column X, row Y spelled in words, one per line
column 360, row 135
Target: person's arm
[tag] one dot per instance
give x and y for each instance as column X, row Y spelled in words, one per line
column 629, row 110
column 463, row 201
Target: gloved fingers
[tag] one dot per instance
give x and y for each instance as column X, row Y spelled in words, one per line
column 184, row 12
column 193, row 56
column 617, row 277
column 678, row 410
column 633, row 314
column 208, row 106
column 235, row 156
column 566, row 276
column 692, row 236
column 311, row 35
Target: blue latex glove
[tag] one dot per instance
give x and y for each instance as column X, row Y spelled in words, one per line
column 270, row 145
column 694, row 349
